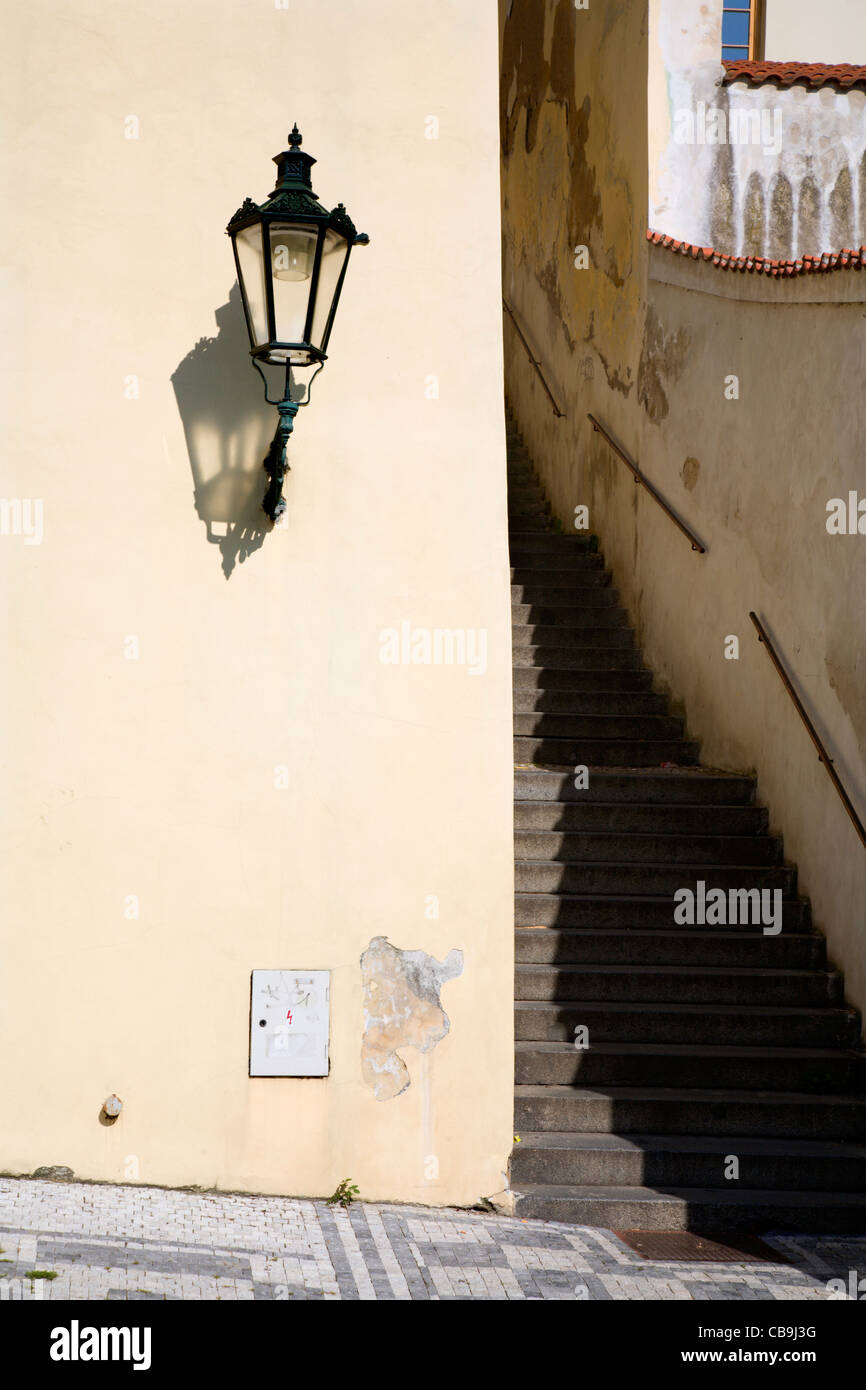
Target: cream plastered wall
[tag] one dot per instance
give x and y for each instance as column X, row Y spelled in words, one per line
column 800, row 31
column 752, row 475
column 208, row 768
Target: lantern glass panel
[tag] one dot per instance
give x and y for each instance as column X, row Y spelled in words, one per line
column 293, row 253
column 251, row 261
column 334, row 254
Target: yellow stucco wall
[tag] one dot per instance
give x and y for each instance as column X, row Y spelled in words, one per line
column 156, row 777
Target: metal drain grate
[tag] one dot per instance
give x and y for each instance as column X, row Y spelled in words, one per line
column 689, row 1245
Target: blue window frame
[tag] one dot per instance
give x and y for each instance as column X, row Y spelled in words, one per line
column 740, row 25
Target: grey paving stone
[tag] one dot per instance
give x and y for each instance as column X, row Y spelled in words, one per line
column 183, row 1245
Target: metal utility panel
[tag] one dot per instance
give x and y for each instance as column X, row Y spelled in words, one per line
column 290, row 1022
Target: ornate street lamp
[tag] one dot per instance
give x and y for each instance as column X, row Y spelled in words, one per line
column 291, row 256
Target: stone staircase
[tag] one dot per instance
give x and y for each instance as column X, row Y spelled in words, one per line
column 706, row 1043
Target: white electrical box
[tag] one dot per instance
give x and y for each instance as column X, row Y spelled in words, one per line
column 290, row 1022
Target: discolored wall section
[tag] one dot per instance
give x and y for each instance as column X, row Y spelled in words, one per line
column 653, row 356
column 762, row 430
column 573, row 122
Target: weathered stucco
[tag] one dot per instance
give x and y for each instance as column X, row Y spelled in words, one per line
column 770, row 461
column 748, row 416
column 402, row 1008
column 574, row 176
column 758, row 171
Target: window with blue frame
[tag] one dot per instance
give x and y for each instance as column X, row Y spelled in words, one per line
column 741, row 25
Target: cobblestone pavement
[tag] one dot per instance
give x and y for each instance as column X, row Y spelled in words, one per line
column 106, row 1242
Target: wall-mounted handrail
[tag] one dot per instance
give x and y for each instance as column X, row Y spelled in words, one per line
column 644, row 482
column 823, row 755
column 560, row 415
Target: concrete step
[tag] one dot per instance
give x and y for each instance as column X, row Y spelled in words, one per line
column 576, row 704
column 527, row 514
column 543, row 620
column 524, row 495
column 678, row 786
column 581, row 572
column 587, row 587
column 747, row 948
column 634, row 912
column 669, row 1110
column 684, row 984
column 593, row 591
column 543, row 548
column 617, row 877
column 747, row 1025
column 524, row 492
column 647, row 727
column 534, row 565
column 624, row 753
column 574, row 847
column 601, row 633
column 690, row 1065
column 627, row 818
column 564, row 678
column 583, row 658
column 531, row 518
column 695, row 1209
column 677, row 1161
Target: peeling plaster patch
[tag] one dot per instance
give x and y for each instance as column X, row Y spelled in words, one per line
column 529, row 81
column 690, row 470
column 662, row 362
column 614, row 380
column 401, row 1009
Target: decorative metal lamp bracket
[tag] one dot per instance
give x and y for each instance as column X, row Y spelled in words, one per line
column 292, row 196
column 275, row 463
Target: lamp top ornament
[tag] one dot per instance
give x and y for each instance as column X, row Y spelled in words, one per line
column 293, row 196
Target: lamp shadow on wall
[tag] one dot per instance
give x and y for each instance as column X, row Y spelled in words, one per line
column 228, row 429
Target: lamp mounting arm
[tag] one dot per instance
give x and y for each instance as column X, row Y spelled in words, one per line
column 276, row 465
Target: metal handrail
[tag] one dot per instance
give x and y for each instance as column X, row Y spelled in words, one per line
column 823, row 755
column 560, row 415
column 644, row 482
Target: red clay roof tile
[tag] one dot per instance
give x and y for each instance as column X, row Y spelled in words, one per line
column 787, row 74
column 847, row 259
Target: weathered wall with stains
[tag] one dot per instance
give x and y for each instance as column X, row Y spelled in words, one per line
column 649, row 352
column 752, row 476
column 573, row 113
column 751, row 171
column 799, row 31
column 208, row 766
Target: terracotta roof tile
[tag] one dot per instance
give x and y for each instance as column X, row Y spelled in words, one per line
column 846, row 259
column 787, row 74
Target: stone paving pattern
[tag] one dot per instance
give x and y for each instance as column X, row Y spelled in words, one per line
column 105, row 1242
